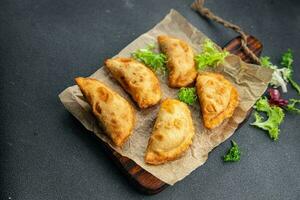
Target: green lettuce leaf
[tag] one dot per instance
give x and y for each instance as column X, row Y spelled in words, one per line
column 279, row 78
column 210, row 56
column 275, row 116
column 187, row 95
column 292, row 106
column 233, row 154
column 287, row 61
column 294, row 84
column 153, row 60
column 265, row 61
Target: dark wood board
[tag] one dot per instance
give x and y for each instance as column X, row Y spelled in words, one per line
column 140, row 178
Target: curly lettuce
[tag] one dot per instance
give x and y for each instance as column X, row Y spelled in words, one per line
column 287, row 59
column 233, row 154
column 153, row 60
column 279, row 76
column 291, row 107
column 265, row 61
column 210, row 56
column 275, row 116
column 187, row 95
column 287, row 62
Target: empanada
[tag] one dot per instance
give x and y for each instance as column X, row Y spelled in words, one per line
column 113, row 112
column 218, row 98
column 172, row 133
column 137, row 79
column 180, row 62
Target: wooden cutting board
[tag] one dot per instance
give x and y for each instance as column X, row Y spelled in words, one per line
column 140, row 178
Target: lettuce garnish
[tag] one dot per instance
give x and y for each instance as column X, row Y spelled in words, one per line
column 265, row 61
column 233, row 154
column 153, row 60
column 275, row 116
column 279, row 76
column 210, row 56
column 187, row 95
column 287, row 61
column 292, row 106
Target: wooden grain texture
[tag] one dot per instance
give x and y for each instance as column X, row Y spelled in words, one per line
column 140, row 178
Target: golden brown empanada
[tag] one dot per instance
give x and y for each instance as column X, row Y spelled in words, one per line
column 180, row 62
column 113, row 112
column 172, row 133
column 137, row 79
column 218, row 98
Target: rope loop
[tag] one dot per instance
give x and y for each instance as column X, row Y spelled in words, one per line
column 198, row 5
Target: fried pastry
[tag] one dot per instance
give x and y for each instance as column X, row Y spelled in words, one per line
column 218, row 98
column 137, row 79
column 180, row 62
column 172, row 133
column 113, row 112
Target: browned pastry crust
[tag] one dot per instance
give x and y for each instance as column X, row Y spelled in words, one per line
column 172, row 133
column 218, row 98
column 136, row 79
column 113, row 112
column 180, row 62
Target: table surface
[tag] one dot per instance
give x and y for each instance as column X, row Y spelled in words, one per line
column 47, row 154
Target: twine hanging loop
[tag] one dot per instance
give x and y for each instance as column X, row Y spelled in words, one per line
column 198, row 5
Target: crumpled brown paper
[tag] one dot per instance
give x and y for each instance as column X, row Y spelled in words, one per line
column 250, row 80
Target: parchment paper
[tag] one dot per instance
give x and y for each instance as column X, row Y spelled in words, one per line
column 250, row 80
